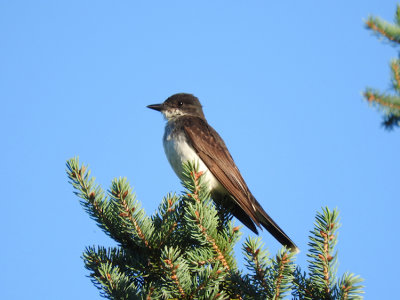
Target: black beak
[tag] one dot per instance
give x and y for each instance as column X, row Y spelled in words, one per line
column 157, row 107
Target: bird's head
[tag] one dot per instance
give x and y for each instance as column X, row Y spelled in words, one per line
column 178, row 105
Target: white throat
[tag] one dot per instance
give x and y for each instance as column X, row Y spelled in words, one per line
column 178, row 150
column 173, row 113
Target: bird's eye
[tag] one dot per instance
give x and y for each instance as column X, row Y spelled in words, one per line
column 180, row 103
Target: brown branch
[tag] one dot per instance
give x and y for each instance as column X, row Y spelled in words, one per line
column 327, row 258
column 346, row 288
column 195, row 194
column 219, row 295
column 148, row 297
column 395, row 68
column 214, row 245
column 170, row 210
column 87, row 193
column 259, row 271
column 172, row 268
column 129, row 215
column 283, row 262
column 201, row 286
column 372, row 98
column 170, row 231
column 346, row 291
column 373, row 26
column 89, row 196
column 234, row 229
column 109, row 279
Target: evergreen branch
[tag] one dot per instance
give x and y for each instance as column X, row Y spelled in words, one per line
column 207, row 284
column 175, row 268
column 241, row 287
column 168, row 234
column 200, row 257
column 322, row 242
column 132, row 263
column 128, row 210
column 273, row 277
column 391, row 103
column 93, row 199
column 383, row 28
column 197, row 260
column 233, row 234
column 349, row 287
column 174, row 278
column 150, row 293
column 303, row 287
column 166, row 220
column 196, row 181
column 201, row 215
column 282, row 275
column 394, row 65
column 113, row 283
column 208, row 274
column 193, row 182
column 208, row 237
column 258, row 262
column 228, row 239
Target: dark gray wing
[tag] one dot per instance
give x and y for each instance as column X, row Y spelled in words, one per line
column 213, row 152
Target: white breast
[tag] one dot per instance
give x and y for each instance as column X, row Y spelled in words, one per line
column 178, row 151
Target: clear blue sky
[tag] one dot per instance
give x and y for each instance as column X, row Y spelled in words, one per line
column 281, row 83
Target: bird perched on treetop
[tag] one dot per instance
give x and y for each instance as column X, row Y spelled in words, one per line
column 189, row 137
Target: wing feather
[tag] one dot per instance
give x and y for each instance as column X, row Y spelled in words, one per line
column 213, row 152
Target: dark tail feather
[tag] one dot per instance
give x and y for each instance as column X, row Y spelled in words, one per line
column 229, row 204
column 273, row 228
column 259, row 217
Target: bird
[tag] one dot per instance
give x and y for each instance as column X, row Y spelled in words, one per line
column 189, row 137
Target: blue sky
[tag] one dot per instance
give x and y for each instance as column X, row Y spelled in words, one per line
column 281, row 82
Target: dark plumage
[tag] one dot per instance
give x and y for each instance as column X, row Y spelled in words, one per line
column 187, row 130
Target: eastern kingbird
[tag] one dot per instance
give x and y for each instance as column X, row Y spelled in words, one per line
column 189, row 137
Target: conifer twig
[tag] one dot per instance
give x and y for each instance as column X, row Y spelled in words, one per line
column 390, row 104
column 396, row 74
column 322, row 243
column 93, row 198
column 214, row 245
column 382, row 28
column 282, row 263
column 127, row 209
column 375, row 97
column 170, row 266
column 129, row 215
column 259, row 267
column 350, row 288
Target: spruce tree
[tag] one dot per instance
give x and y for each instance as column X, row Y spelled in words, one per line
column 389, row 103
column 185, row 251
